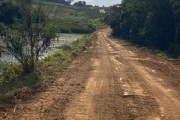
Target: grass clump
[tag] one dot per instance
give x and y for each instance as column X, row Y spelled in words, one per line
column 166, row 56
column 58, row 53
column 162, row 55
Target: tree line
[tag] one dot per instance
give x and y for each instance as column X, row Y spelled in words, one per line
column 151, row 23
column 65, row 2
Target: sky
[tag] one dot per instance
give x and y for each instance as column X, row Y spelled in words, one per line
column 101, row 2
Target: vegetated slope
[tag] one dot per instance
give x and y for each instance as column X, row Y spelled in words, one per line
column 75, row 19
column 74, row 11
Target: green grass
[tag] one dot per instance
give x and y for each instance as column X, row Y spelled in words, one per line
column 165, row 56
column 2, row 65
column 162, row 55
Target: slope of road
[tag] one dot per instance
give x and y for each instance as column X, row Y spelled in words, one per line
column 109, row 81
column 126, row 86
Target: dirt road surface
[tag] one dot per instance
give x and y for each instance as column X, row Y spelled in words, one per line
column 116, row 82
column 122, row 87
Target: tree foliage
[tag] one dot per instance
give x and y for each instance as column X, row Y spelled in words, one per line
column 29, row 36
column 7, row 12
column 66, row 2
column 152, row 23
column 80, row 3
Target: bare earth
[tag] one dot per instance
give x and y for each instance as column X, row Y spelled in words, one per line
column 111, row 81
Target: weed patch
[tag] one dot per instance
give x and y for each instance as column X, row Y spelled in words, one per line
column 162, row 55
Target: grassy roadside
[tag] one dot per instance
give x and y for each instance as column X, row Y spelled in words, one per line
column 14, row 84
column 158, row 53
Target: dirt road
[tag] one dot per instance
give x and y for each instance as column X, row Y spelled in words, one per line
column 126, row 86
column 119, row 82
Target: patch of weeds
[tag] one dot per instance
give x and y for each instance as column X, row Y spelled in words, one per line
column 63, row 64
column 48, row 58
column 165, row 56
column 42, row 77
column 11, row 73
column 76, row 43
column 67, row 61
column 59, row 53
column 49, row 63
column 162, row 55
column 171, row 59
column 57, row 69
column 2, row 65
column 33, row 79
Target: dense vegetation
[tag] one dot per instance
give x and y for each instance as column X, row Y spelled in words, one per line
column 152, row 23
column 75, row 19
column 66, row 2
column 27, row 28
column 29, row 35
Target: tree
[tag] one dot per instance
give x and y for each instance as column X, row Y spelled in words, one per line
column 80, row 3
column 29, row 36
column 8, row 12
column 147, row 22
column 176, row 10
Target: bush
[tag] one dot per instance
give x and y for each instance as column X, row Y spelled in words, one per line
column 58, row 53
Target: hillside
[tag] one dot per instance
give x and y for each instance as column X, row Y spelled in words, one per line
column 69, row 12
column 75, row 19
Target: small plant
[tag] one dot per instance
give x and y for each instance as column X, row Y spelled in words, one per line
column 162, row 55
column 12, row 72
column 48, row 58
column 59, row 53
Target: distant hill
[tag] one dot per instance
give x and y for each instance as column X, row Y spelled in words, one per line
column 88, row 11
column 76, row 19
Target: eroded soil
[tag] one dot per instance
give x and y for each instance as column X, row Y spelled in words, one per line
column 110, row 81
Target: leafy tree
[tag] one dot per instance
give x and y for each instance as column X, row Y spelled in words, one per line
column 152, row 23
column 80, row 3
column 8, row 12
column 176, row 9
column 29, row 36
